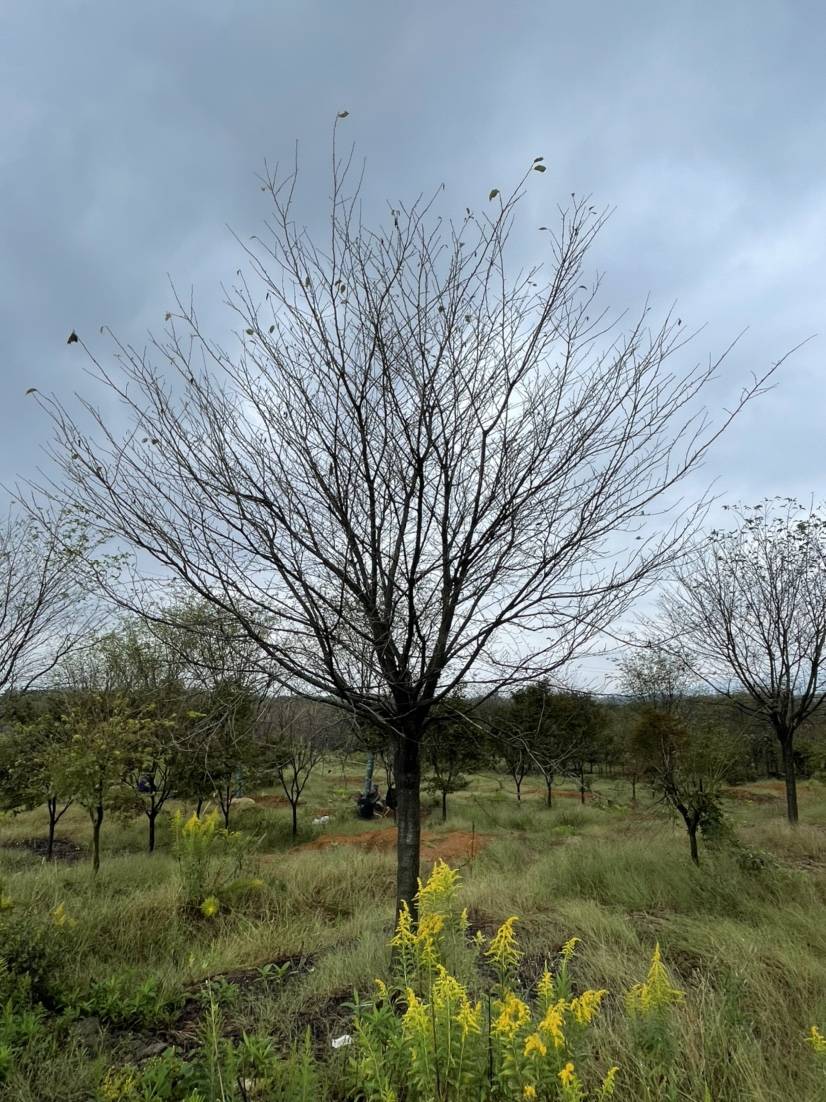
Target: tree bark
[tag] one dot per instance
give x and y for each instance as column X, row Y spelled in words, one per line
column 52, row 826
column 444, row 806
column 548, row 793
column 152, row 815
column 692, row 842
column 96, row 816
column 294, row 809
column 408, row 818
column 518, row 784
column 790, row 776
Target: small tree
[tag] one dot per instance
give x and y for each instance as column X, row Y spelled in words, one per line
column 148, row 675
column 99, row 754
column 675, row 742
column 749, row 611
column 686, row 766
column 559, row 731
column 452, row 748
column 294, row 739
column 32, row 750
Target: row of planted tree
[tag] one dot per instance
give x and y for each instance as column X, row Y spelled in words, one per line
column 177, row 708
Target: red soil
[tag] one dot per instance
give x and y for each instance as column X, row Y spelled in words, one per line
column 451, row 846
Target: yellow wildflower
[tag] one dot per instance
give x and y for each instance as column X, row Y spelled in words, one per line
column 817, row 1041
column 529, row 1091
column 567, row 1076
column 426, row 940
column 437, row 894
column 60, row 918
column 469, row 1017
column 553, row 1021
column 381, row 987
column 534, row 1043
column 568, row 948
column 404, row 936
column 415, row 1017
column 608, row 1082
column 447, row 990
column 545, row 987
column 210, row 907
column 503, row 950
column 513, row 1014
column 585, row 1006
column 656, row 992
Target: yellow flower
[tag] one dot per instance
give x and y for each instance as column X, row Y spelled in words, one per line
column 210, row 907
column 568, row 948
column 567, row 1076
column 426, row 940
column 404, row 936
column 608, row 1082
column 381, row 987
column 513, row 1014
column 553, row 1021
column 437, row 894
column 60, row 918
column 534, row 1043
column 585, row 1006
column 447, row 990
column 817, row 1041
column 469, row 1017
column 545, row 987
column 415, row 1018
column 529, row 1091
column 656, row 992
column 503, row 950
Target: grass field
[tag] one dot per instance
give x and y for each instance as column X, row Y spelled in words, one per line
column 129, row 972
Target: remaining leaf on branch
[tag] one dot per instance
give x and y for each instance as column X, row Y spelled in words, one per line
column 494, row 193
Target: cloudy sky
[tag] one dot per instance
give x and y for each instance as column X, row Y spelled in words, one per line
column 132, row 135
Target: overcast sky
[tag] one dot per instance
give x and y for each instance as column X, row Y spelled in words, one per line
column 132, row 133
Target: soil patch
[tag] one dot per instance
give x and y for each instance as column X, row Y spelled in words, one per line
column 750, row 796
column 62, row 849
column 453, row 845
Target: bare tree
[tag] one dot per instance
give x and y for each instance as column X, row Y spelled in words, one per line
column 294, row 736
column 44, row 611
column 425, row 470
column 749, row 611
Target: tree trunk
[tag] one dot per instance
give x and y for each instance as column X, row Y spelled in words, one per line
column 518, row 784
column 790, row 775
column 408, row 818
column 52, row 826
column 152, row 814
column 444, row 806
column 548, row 793
column 294, row 809
column 692, row 842
column 96, row 816
column 634, row 790
column 199, row 807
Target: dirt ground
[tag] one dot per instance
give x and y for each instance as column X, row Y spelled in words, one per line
column 453, row 845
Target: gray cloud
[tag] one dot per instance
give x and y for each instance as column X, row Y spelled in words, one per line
column 132, row 135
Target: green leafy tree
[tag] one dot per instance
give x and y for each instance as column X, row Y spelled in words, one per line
column 454, row 747
column 104, row 739
column 32, row 749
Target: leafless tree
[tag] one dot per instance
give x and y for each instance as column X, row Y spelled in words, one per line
column 422, row 468
column 44, row 611
column 749, row 611
column 293, row 737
